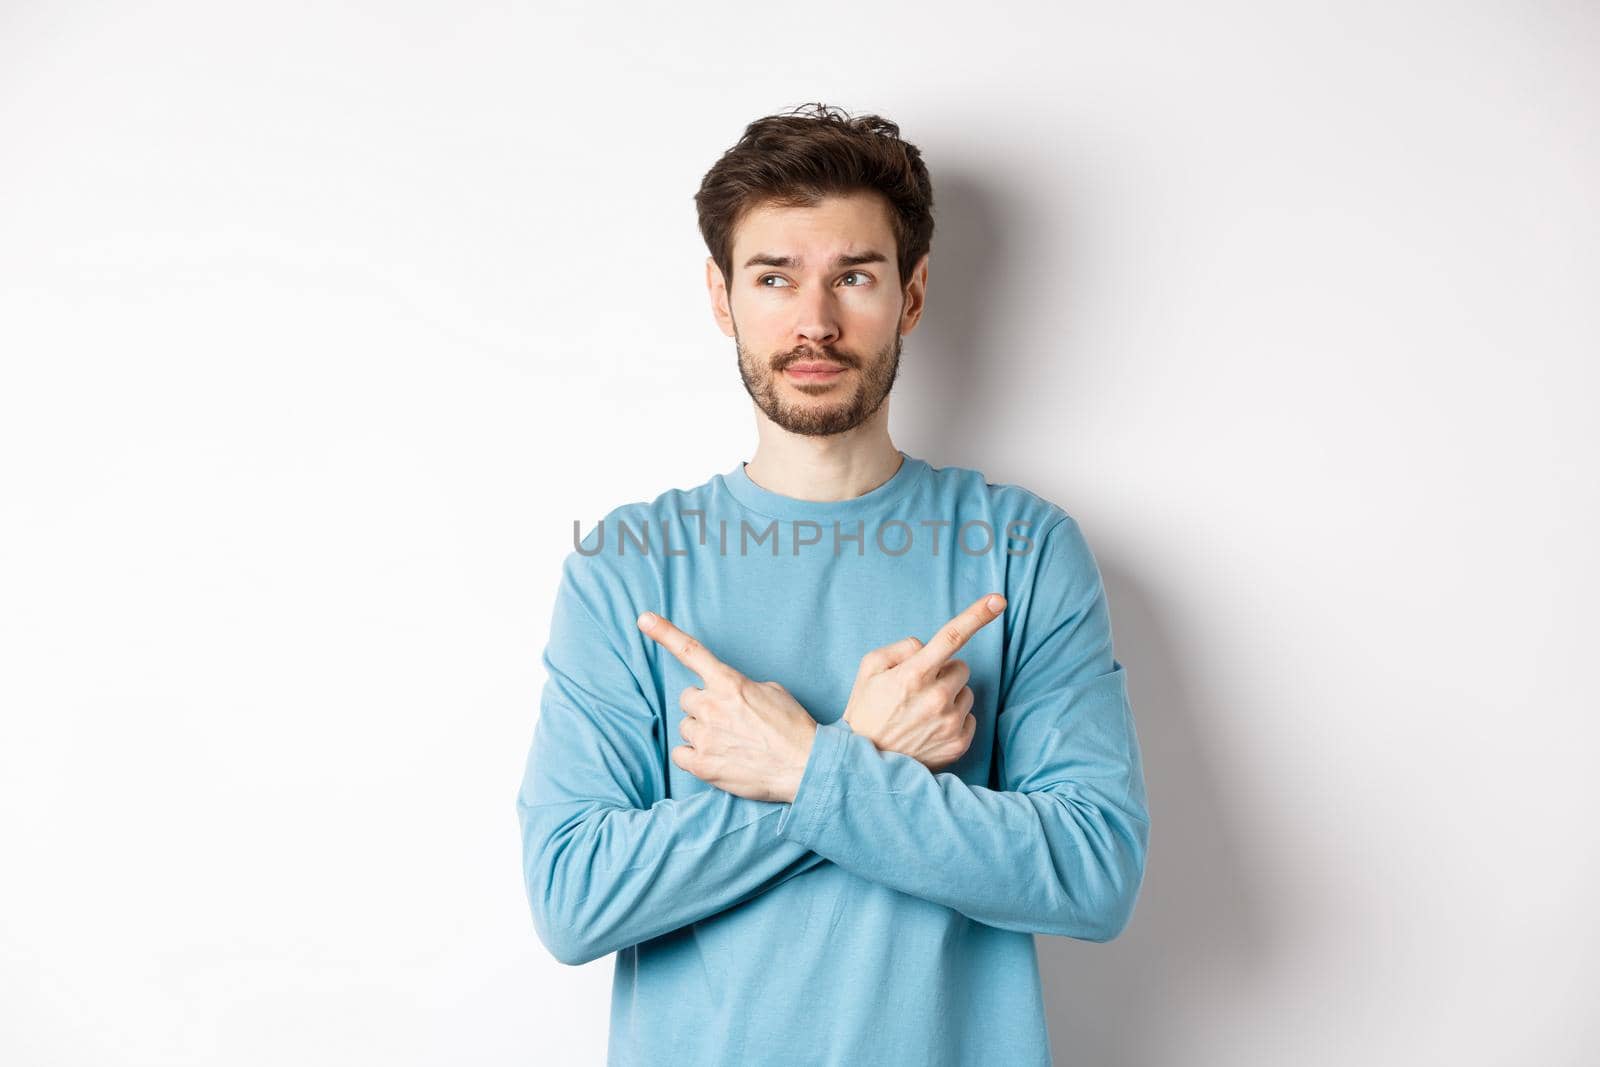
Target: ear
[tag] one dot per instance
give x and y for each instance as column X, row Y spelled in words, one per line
column 717, row 289
column 916, row 294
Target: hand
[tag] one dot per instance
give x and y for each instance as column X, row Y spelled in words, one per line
column 749, row 738
column 915, row 700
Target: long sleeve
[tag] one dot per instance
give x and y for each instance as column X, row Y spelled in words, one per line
column 608, row 860
column 1060, row 849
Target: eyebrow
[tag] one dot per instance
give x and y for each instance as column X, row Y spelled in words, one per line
column 767, row 259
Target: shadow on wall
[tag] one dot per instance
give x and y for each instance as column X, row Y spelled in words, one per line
column 1196, row 935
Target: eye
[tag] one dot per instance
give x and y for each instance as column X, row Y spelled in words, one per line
column 761, row 282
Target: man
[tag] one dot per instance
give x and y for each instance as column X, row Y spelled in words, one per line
column 809, row 836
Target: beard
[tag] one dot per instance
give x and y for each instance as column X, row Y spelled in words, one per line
column 835, row 407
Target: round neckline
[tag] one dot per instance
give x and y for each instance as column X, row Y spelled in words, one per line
column 777, row 506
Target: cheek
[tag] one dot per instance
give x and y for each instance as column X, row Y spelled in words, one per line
column 760, row 318
column 880, row 305
column 771, row 321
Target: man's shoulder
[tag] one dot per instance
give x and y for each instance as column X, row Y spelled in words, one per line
column 1008, row 502
column 621, row 544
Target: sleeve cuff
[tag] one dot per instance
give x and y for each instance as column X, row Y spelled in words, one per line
column 818, row 783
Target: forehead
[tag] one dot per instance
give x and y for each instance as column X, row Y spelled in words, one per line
column 838, row 223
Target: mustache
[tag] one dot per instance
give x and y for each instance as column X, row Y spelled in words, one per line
column 808, row 356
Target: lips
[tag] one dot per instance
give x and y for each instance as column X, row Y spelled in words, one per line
column 812, row 367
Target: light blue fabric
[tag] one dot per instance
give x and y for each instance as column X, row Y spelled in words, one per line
column 886, row 916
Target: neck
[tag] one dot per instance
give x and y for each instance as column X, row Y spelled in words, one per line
column 838, row 467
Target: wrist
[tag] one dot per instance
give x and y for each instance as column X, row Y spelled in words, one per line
column 791, row 785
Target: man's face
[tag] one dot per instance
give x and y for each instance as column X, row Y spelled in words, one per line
column 816, row 285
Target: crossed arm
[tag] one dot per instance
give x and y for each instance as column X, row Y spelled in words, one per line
column 610, row 860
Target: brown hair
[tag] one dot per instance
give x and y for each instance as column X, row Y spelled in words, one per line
column 797, row 158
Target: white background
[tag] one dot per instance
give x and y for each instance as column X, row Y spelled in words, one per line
column 321, row 324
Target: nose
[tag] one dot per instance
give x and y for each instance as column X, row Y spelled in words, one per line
column 818, row 320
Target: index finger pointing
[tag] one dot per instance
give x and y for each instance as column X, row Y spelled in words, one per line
column 689, row 652
column 955, row 633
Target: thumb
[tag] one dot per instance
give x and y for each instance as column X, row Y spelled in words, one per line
column 891, row 655
column 903, row 650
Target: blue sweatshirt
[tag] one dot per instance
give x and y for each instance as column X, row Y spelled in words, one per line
column 887, row 915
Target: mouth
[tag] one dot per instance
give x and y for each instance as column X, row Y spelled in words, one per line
column 812, row 371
